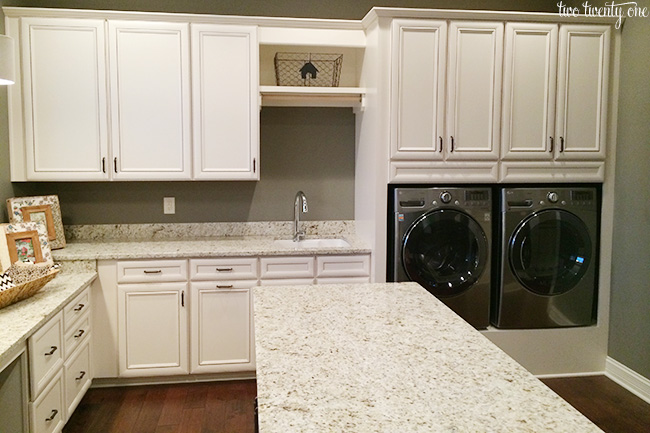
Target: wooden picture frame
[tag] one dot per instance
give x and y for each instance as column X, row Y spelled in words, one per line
column 24, row 209
column 24, row 245
column 42, row 214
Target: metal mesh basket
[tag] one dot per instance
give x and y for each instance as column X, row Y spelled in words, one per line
column 308, row 69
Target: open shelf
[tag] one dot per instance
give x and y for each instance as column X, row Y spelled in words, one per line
column 287, row 96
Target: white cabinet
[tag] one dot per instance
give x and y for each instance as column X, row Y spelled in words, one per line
column 225, row 102
column 343, row 269
column 150, row 100
column 152, row 329
column 64, row 101
column 446, row 109
column 47, row 410
column 555, row 101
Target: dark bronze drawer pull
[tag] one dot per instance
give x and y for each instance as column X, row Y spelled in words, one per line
column 79, row 334
column 52, row 350
column 224, row 269
column 81, row 375
column 79, row 307
column 229, row 286
column 52, row 415
column 153, row 272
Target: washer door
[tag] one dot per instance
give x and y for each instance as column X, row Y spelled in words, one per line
column 550, row 252
column 445, row 251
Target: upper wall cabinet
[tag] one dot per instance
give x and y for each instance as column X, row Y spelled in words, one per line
column 446, row 90
column 225, row 102
column 64, row 101
column 150, row 100
column 555, row 94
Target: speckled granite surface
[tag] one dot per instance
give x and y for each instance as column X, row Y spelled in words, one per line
column 20, row 320
column 154, row 241
column 389, row 358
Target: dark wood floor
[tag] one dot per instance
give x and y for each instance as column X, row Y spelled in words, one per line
column 228, row 407
column 608, row 405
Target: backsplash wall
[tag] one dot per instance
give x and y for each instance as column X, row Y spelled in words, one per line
column 301, row 149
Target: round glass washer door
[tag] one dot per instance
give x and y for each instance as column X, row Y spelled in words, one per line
column 446, row 251
column 550, row 251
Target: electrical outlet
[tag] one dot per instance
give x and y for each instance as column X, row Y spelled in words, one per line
column 169, row 205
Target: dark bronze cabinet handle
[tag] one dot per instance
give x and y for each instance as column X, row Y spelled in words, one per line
column 440, row 140
column 52, row 415
column 561, row 144
column 153, row 272
column 552, row 144
column 115, row 164
column 81, row 375
column 224, row 269
column 452, row 144
column 229, row 286
column 79, row 307
column 103, row 165
column 52, row 350
column 79, row 334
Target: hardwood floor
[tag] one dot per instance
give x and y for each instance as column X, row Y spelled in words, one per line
column 227, row 407
column 608, row 405
column 210, row 407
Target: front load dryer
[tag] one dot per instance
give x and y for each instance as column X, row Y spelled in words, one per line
column 441, row 239
column 548, row 258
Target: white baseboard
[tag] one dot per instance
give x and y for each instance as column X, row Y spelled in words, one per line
column 628, row 378
column 564, row 375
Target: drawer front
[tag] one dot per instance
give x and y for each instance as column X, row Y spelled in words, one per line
column 288, row 282
column 343, row 266
column 76, row 309
column 47, row 412
column 237, row 268
column 77, row 335
column 343, row 280
column 287, row 267
column 77, row 377
column 147, row 271
column 45, row 353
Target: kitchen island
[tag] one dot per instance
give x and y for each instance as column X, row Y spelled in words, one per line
column 389, row 358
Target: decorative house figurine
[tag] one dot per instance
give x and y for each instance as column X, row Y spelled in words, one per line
column 308, row 68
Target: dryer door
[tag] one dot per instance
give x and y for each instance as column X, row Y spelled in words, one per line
column 550, row 251
column 446, row 251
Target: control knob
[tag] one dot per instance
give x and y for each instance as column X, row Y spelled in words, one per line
column 445, row 197
column 552, row 197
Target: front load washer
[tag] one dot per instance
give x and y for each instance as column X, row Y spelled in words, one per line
column 548, row 258
column 441, row 238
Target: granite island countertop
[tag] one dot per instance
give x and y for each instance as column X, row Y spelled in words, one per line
column 20, row 320
column 389, row 357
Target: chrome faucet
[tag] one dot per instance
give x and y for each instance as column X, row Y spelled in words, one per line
column 300, row 204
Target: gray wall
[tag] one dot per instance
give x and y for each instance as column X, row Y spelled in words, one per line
column 629, row 333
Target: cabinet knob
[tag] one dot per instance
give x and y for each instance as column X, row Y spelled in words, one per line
column 52, row 415
column 52, row 350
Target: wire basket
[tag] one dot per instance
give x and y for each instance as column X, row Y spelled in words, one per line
column 26, row 289
column 308, row 69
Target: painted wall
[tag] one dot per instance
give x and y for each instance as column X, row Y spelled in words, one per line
column 629, row 333
column 312, row 149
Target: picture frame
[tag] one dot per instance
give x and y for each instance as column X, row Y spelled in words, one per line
column 45, row 209
column 27, row 241
column 24, row 247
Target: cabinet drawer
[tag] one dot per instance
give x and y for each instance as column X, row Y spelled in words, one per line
column 288, row 282
column 343, row 266
column 45, row 353
column 76, row 309
column 343, row 280
column 77, row 335
column 236, row 268
column 287, row 267
column 151, row 271
column 77, row 377
column 47, row 410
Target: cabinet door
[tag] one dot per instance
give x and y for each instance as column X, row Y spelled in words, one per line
column 150, row 100
column 64, row 94
column 221, row 332
column 225, row 82
column 529, row 80
column 417, row 89
column 583, row 69
column 152, row 329
column 474, row 90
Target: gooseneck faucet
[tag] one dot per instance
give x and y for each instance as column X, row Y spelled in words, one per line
column 299, row 204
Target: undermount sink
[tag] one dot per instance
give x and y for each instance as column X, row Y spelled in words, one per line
column 311, row 243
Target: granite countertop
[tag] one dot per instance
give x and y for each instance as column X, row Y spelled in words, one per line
column 156, row 241
column 20, row 320
column 389, row 357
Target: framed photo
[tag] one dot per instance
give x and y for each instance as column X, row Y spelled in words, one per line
column 28, row 242
column 24, row 247
column 44, row 209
